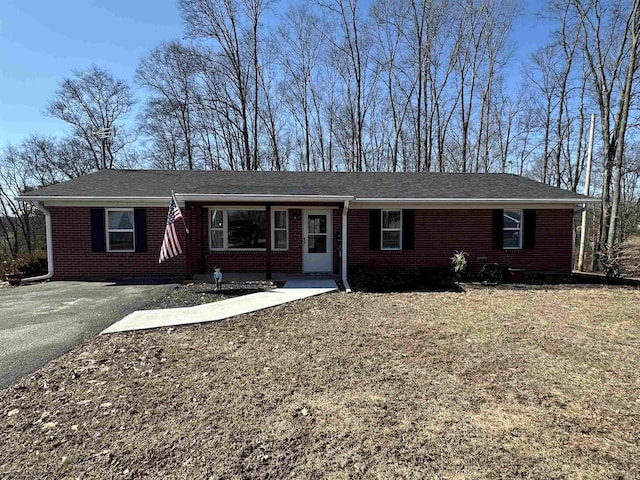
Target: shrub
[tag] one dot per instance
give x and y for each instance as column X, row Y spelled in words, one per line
column 383, row 280
column 490, row 273
column 30, row 264
column 459, row 261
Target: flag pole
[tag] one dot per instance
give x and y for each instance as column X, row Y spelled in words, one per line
column 183, row 220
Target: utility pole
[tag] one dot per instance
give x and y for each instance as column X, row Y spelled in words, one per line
column 583, row 230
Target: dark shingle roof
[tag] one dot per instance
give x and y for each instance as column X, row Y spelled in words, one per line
column 159, row 183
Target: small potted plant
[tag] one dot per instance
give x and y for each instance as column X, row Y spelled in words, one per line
column 459, row 264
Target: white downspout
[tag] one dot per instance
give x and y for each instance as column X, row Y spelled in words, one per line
column 344, row 247
column 47, row 217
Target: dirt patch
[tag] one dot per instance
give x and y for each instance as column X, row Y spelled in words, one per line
column 491, row 383
column 198, row 293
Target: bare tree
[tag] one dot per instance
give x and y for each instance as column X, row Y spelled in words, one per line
column 95, row 103
column 232, row 29
column 350, row 56
column 300, row 47
column 610, row 34
column 170, row 73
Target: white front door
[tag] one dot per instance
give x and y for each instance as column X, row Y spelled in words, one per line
column 317, row 241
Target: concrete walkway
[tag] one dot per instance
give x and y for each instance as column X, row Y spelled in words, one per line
column 209, row 312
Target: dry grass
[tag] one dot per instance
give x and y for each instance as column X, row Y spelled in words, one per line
column 492, row 383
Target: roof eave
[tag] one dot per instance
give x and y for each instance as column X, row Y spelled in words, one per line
column 488, row 201
column 242, row 197
column 188, row 197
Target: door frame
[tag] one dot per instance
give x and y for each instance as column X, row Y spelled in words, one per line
column 305, row 227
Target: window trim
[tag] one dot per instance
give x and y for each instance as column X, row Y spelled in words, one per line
column 212, row 229
column 115, row 230
column 511, row 229
column 225, row 223
column 273, row 228
column 382, row 230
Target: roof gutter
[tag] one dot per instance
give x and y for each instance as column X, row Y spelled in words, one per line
column 200, row 197
column 48, row 198
column 205, row 197
column 185, row 197
column 461, row 201
column 49, row 234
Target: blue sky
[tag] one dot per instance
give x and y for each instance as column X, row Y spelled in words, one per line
column 44, row 41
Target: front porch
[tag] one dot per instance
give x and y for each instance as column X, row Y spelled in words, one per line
column 272, row 241
column 241, row 277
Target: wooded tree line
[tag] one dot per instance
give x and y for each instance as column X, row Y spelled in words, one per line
column 348, row 85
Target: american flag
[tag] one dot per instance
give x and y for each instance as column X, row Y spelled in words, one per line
column 171, row 244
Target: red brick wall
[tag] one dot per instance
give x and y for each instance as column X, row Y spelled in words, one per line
column 73, row 258
column 440, row 233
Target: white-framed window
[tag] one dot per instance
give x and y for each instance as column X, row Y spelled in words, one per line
column 512, row 229
column 217, row 229
column 279, row 229
column 391, row 237
column 238, row 228
column 120, row 230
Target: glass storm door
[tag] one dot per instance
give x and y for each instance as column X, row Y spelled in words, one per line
column 317, row 242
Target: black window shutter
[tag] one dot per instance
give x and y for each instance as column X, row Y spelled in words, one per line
column 529, row 226
column 374, row 229
column 140, row 228
column 408, row 229
column 98, row 239
column 498, row 225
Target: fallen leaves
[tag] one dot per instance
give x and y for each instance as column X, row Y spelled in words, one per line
column 489, row 384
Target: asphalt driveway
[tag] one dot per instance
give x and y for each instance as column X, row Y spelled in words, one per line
column 40, row 322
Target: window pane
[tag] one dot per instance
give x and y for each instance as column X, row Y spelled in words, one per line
column 391, row 219
column 120, row 240
column 317, row 224
column 317, row 243
column 217, row 219
column 217, row 239
column 390, row 239
column 511, row 239
column 247, row 228
column 280, row 239
column 279, row 219
column 512, row 218
column 120, row 220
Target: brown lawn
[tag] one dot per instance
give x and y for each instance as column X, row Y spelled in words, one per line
column 491, row 383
